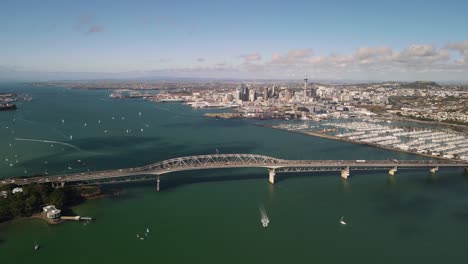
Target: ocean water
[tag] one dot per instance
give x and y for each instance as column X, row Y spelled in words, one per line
column 213, row 216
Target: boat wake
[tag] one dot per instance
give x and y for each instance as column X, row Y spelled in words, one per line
column 264, row 215
column 49, row 142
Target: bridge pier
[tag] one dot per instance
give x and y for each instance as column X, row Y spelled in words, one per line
column 271, row 174
column 345, row 173
column 58, row 184
column 392, row 171
column 434, row 170
column 157, row 184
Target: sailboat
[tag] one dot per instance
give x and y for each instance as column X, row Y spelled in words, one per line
column 342, row 222
column 147, row 230
column 36, row 245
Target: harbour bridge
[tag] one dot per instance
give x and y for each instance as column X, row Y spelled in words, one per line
column 222, row 161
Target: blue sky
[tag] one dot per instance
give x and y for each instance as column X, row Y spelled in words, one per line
column 388, row 40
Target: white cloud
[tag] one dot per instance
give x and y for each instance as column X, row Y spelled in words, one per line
column 292, row 56
column 251, row 57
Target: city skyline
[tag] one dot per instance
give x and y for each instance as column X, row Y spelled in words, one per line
column 363, row 40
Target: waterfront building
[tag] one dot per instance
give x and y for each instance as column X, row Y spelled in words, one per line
column 51, row 212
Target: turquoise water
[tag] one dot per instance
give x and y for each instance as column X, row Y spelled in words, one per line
column 213, row 216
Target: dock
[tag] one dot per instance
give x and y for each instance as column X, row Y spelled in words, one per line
column 76, row 218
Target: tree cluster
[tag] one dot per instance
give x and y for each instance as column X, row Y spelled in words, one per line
column 33, row 198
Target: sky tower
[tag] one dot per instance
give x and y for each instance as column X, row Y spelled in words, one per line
column 305, row 88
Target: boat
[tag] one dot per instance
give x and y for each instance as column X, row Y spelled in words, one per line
column 342, row 222
column 265, row 221
column 264, row 218
column 147, row 230
column 36, row 245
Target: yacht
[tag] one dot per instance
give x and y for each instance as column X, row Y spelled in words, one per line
column 36, row 245
column 342, row 222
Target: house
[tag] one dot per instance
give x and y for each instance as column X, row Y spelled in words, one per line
column 17, row 190
column 51, row 212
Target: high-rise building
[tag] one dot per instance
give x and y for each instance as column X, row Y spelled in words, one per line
column 244, row 92
column 252, row 95
column 265, row 93
column 237, row 95
column 305, row 88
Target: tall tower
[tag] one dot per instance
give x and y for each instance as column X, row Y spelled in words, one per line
column 305, row 88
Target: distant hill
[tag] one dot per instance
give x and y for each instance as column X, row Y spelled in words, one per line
column 420, row 85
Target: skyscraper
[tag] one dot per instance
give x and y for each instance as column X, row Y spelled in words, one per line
column 265, row 93
column 305, row 88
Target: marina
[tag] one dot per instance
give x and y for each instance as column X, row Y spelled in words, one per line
column 427, row 141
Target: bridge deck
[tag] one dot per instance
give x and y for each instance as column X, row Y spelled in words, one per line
column 221, row 161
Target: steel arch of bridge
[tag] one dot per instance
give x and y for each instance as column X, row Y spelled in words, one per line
column 215, row 159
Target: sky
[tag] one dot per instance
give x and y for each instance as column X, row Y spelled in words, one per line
column 327, row 40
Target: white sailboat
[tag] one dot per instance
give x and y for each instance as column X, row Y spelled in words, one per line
column 342, row 221
column 147, row 230
column 36, row 245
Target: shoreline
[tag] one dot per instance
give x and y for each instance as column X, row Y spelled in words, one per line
column 98, row 194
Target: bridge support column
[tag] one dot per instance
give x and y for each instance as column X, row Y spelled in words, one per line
column 345, row 173
column 157, row 184
column 392, row 171
column 271, row 175
column 58, row 184
column 434, row 170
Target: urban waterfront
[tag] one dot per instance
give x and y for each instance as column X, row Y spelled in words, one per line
column 213, row 216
